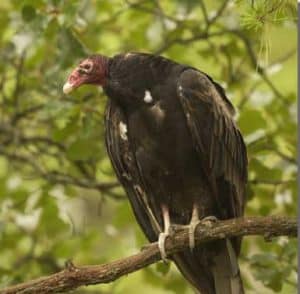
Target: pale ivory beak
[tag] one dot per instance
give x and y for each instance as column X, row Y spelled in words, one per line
column 67, row 88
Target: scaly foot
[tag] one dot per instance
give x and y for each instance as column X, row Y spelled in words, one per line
column 162, row 246
column 209, row 220
column 192, row 228
column 206, row 221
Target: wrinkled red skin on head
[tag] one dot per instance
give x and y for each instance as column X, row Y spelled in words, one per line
column 95, row 75
column 75, row 78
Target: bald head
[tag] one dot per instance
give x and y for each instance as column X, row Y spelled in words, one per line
column 92, row 70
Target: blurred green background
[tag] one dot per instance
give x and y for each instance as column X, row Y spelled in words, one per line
column 59, row 199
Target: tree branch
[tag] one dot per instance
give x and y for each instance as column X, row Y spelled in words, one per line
column 73, row 277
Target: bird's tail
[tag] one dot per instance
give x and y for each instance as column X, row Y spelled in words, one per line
column 211, row 271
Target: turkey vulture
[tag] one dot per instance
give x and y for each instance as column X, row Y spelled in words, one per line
column 176, row 149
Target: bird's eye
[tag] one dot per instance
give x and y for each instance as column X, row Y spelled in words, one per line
column 82, row 71
column 87, row 66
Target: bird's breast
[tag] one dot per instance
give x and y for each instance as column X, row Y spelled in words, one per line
column 160, row 130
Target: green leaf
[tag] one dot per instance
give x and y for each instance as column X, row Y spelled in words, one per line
column 264, row 172
column 50, row 222
column 28, row 13
column 163, row 267
column 251, row 120
column 62, row 134
column 83, row 149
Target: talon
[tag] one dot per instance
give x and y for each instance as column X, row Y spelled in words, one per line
column 192, row 228
column 209, row 220
column 161, row 245
column 162, row 236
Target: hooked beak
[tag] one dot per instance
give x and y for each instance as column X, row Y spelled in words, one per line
column 74, row 81
column 68, row 87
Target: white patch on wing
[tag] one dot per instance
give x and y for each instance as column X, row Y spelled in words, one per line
column 148, row 98
column 123, row 130
column 158, row 112
column 180, row 90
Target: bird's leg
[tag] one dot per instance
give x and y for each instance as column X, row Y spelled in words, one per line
column 195, row 221
column 209, row 220
column 193, row 225
column 162, row 236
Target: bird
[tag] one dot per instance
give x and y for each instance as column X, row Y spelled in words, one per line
column 172, row 138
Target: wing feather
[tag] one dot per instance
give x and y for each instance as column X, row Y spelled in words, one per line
column 128, row 174
column 125, row 166
column 221, row 149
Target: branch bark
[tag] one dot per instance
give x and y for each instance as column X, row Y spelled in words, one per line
column 73, row 277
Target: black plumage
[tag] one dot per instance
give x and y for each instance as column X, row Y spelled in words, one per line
column 175, row 147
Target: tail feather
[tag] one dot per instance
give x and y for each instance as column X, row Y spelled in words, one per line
column 196, row 274
column 226, row 271
column 211, row 272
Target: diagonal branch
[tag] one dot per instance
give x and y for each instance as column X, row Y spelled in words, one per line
column 73, row 277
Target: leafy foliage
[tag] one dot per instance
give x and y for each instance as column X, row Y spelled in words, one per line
column 59, row 198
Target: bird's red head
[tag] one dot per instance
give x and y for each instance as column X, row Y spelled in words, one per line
column 92, row 70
